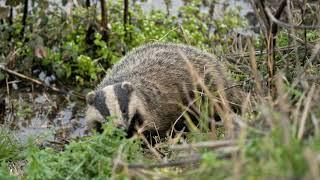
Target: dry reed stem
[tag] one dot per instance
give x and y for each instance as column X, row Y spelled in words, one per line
column 284, row 106
column 292, row 30
column 305, row 112
column 312, row 162
column 296, row 111
column 254, row 68
column 315, row 122
column 225, row 110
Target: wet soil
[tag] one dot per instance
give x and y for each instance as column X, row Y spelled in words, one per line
column 41, row 116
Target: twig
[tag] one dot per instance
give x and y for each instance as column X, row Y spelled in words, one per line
column 205, row 144
column 22, row 76
column 152, row 149
column 7, row 86
column 287, row 25
column 182, row 114
column 301, row 41
column 254, row 67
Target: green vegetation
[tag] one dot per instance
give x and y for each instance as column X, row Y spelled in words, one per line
column 276, row 135
column 92, row 157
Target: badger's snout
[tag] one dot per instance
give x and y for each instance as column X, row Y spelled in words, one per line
column 121, row 124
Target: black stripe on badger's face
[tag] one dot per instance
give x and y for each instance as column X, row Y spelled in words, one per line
column 123, row 96
column 100, row 104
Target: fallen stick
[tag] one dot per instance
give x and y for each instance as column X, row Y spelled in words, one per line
column 164, row 164
column 205, row 144
column 181, row 162
column 22, row 76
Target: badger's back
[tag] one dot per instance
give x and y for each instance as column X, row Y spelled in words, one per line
column 160, row 63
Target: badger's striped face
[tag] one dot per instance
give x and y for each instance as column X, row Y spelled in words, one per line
column 114, row 101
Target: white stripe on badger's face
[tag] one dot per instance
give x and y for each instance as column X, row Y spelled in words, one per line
column 113, row 106
column 133, row 105
column 93, row 116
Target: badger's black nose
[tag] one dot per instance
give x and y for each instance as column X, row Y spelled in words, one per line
column 122, row 127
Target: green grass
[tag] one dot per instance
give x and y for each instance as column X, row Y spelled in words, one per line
column 9, row 147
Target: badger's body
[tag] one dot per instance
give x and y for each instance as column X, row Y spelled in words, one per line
column 149, row 86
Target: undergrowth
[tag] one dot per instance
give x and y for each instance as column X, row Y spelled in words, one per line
column 94, row 157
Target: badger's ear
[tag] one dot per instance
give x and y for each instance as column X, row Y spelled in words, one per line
column 90, row 97
column 127, row 85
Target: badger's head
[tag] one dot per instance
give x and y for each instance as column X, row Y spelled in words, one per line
column 118, row 101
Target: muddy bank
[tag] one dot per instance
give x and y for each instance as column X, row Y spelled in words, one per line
column 42, row 116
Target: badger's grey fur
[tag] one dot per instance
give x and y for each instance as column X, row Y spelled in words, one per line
column 149, row 85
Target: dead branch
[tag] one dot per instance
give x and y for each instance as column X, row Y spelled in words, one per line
column 287, row 25
column 193, row 159
column 205, row 144
column 277, row 15
column 258, row 7
column 22, row 76
column 182, row 162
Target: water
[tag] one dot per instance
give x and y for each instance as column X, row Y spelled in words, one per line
column 176, row 4
column 43, row 117
column 245, row 10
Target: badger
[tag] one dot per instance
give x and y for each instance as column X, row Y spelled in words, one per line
column 149, row 86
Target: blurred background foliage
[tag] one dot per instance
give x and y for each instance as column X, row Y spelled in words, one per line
column 74, row 44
